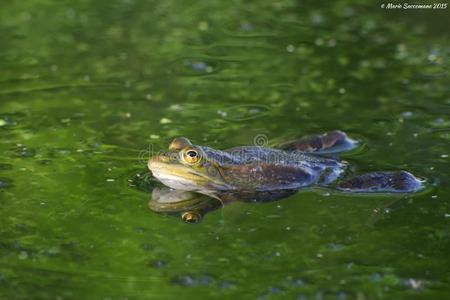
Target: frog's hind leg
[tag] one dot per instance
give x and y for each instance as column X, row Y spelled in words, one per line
column 328, row 142
column 382, row 182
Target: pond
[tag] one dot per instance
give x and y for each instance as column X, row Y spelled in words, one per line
column 89, row 90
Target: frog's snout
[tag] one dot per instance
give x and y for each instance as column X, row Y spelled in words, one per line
column 151, row 162
column 158, row 158
column 155, row 160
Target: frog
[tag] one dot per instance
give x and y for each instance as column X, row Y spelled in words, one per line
column 261, row 173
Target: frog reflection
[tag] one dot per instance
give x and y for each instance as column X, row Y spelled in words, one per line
column 191, row 207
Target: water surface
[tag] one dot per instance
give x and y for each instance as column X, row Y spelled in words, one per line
column 88, row 89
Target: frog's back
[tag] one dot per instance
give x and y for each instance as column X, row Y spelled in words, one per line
column 261, row 168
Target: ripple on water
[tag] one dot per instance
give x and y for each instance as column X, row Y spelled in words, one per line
column 271, row 291
column 244, row 112
column 24, row 151
column 10, row 119
column 226, row 285
column 440, row 123
column 147, row 247
column 414, row 284
column 194, row 66
column 143, row 181
column 4, row 167
column 5, row 183
column 158, row 264
column 445, row 135
column 193, row 280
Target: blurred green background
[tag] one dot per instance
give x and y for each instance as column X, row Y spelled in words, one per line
column 88, row 87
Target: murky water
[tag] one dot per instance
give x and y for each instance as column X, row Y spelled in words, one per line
column 88, row 89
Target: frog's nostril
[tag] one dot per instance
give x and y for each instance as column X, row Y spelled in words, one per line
column 163, row 156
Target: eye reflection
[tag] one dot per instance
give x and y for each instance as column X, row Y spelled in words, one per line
column 191, row 217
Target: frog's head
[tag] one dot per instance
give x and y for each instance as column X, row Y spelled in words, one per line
column 187, row 167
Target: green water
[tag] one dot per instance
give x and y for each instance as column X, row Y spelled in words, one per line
column 87, row 88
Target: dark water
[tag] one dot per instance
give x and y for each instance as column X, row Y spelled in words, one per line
column 87, row 87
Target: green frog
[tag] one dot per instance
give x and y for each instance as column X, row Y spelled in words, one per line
column 254, row 173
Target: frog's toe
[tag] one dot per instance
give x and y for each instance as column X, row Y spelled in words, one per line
column 390, row 182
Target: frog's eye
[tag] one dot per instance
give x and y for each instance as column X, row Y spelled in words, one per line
column 191, row 156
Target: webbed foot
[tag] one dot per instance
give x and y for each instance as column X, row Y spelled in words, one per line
column 328, row 142
column 378, row 182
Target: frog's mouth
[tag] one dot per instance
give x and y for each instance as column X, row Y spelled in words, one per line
column 180, row 177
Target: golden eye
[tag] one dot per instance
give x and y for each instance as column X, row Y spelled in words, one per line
column 191, row 217
column 191, row 156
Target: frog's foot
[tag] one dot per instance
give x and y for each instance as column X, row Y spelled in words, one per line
column 328, row 142
column 379, row 182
